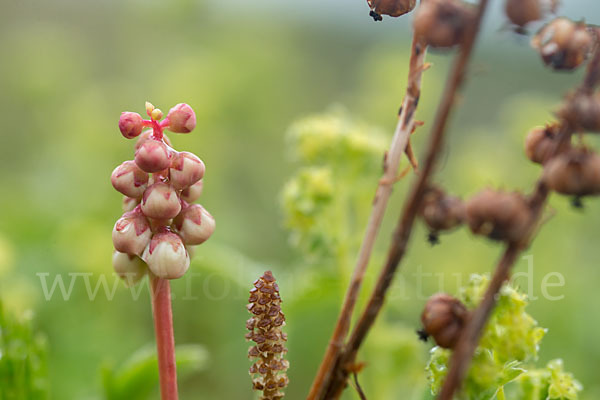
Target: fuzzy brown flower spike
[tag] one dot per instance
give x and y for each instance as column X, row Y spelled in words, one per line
column 268, row 370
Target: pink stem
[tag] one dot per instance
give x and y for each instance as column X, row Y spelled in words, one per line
column 165, row 341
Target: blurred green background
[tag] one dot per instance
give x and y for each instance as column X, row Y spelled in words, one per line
column 249, row 69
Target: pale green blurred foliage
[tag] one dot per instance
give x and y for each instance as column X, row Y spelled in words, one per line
column 324, row 202
column 507, row 350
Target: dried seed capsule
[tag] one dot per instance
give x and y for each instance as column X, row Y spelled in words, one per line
column 131, row 233
column 130, row 268
column 130, row 124
column 443, row 318
column 442, row 23
column 499, row 215
column 195, row 224
column 153, row 156
column 576, row 172
column 166, row 255
column 440, row 211
column 160, row 201
column 522, row 12
column 129, row 179
column 582, row 111
column 185, row 170
column 192, row 193
column 563, row 44
column 182, row 118
column 541, row 143
column 393, row 8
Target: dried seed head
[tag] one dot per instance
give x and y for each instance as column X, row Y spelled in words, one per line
column 393, row 8
column 563, row 44
column 575, row 172
column 185, row 170
column 166, row 255
column 541, row 143
column 130, row 268
column 153, row 155
column 182, row 118
column 443, row 318
column 160, row 201
column 192, row 193
column 499, row 215
column 522, row 12
column 442, row 23
column 130, row 124
column 268, row 370
column 131, row 233
column 194, row 224
column 440, row 211
column 129, row 179
column 582, row 111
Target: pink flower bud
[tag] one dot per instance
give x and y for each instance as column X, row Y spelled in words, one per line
column 129, row 179
column 129, row 203
column 160, row 201
column 153, row 156
column 186, row 169
column 130, row 268
column 130, row 124
column 146, row 135
column 192, row 193
column 166, row 256
column 131, row 233
column 195, row 224
column 182, row 118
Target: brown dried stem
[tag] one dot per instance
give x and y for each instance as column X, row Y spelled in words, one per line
column 404, row 128
column 404, row 228
column 469, row 339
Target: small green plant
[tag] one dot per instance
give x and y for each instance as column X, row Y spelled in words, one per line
column 506, row 354
column 23, row 369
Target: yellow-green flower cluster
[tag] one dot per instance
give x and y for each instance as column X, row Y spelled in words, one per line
column 340, row 162
column 510, row 343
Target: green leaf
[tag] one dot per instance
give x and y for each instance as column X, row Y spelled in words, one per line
column 137, row 378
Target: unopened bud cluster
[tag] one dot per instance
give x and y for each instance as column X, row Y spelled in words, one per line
column 443, row 319
column 268, row 371
column 159, row 222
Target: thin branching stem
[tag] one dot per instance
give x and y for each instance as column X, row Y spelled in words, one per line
column 469, row 339
column 405, row 224
column 404, row 128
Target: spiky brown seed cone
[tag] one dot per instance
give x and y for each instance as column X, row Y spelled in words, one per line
column 443, row 319
column 268, row 370
column 499, row 215
column 440, row 211
column 540, row 143
column 576, row 172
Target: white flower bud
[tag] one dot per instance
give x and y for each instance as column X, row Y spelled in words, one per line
column 153, row 155
column 129, row 179
column 193, row 192
column 195, row 224
column 160, row 201
column 182, row 118
column 130, row 268
column 167, row 256
column 129, row 203
column 131, row 233
column 146, row 135
column 186, row 169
